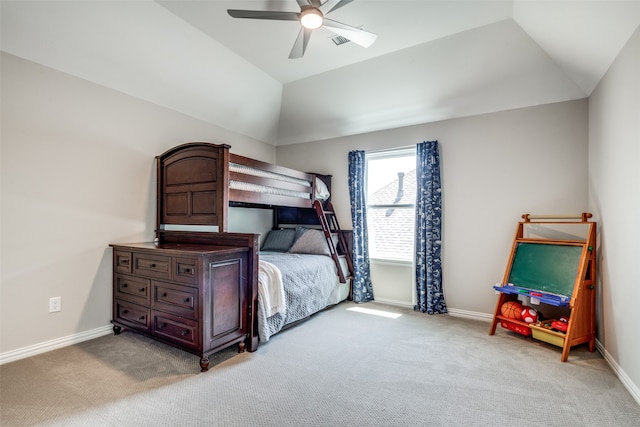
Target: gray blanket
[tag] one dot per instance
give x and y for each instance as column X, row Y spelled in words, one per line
column 310, row 284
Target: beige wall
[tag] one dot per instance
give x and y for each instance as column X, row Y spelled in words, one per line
column 614, row 197
column 393, row 283
column 78, row 173
column 495, row 167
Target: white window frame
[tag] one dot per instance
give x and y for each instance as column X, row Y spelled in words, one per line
column 389, row 154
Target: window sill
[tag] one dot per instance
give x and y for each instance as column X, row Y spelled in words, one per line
column 397, row 262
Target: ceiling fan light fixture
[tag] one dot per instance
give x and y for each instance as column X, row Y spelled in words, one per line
column 311, row 18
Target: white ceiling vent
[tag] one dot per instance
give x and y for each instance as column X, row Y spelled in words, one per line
column 338, row 40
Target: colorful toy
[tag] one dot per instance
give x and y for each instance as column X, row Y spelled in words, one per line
column 559, row 325
column 512, row 310
column 529, row 315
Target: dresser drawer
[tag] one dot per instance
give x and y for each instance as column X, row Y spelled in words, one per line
column 135, row 289
column 177, row 299
column 185, row 270
column 156, row 266
column 122, row 261
column 177, row 330
column 133, row 315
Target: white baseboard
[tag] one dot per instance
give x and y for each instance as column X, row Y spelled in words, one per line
column 46, row 346
column 470, row 314
column 451, row 311
column 622, row 376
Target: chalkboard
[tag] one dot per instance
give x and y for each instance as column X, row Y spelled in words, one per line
column 548, row 268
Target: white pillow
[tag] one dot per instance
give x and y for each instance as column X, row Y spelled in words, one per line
column 322, row 192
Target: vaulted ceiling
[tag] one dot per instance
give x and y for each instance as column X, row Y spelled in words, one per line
column 432, row 60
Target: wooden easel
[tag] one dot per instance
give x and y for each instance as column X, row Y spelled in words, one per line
column 580, row 303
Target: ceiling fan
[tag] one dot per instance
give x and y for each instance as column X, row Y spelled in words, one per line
column 311, row 16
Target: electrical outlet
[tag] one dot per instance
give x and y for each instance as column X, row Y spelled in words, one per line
column 55, row 304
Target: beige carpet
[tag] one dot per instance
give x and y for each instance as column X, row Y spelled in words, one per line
column 338, row 368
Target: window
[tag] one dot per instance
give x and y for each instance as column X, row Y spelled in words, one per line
column 391, row 198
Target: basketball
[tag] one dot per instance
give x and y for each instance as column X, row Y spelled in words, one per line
column 529, row 315
column 512, row 310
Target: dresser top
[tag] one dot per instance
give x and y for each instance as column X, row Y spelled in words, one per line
column 193, row 248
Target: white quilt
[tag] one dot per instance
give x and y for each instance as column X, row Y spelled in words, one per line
column 271, row 289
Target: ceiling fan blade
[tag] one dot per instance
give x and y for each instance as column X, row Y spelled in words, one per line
column 305, row 3
column 264, row 14
column 300, row 44
column 330, row 5
column 356, row 35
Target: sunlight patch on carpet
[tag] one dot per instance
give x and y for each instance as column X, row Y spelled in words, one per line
column 375, row 312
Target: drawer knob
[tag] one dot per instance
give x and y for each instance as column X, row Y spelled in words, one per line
column 187, row 270
column 141, row 318
column 153, row 266
column 125, row 285
column 124, row 262
column 185, row 332
column 162, row 325
column 164, row 294
column 141, row 290
column 125, row 311
column 187, row 299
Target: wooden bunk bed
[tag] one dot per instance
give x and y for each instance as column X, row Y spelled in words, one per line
column 199, row 287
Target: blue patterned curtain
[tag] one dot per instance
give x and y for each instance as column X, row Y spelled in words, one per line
column 362, row 288
column 429, row 292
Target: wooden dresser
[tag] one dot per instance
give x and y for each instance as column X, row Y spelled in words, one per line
column 197, row 297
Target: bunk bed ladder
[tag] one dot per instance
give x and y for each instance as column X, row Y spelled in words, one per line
column 335, row 239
